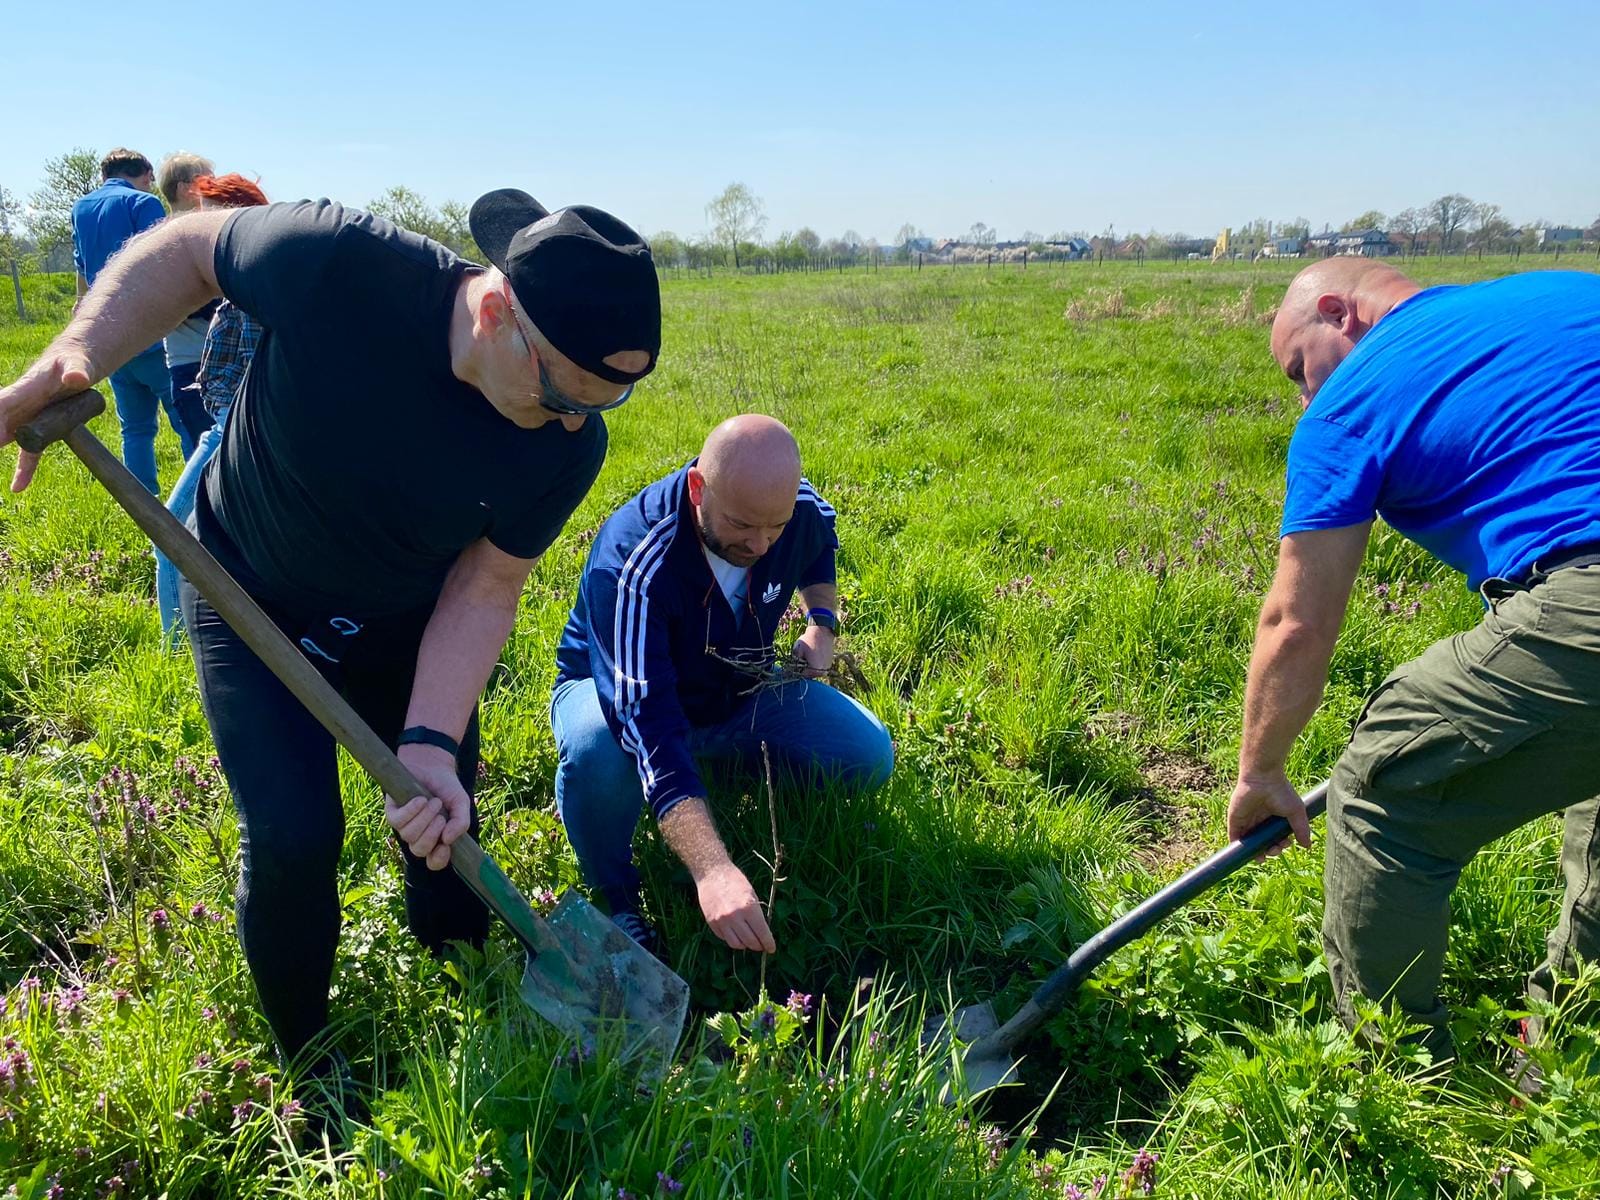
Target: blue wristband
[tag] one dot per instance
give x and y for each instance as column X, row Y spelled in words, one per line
column 824, row 617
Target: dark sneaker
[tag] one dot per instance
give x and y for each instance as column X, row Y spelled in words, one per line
column 330, row 1099
column 639, row 929
column 1527, row 1076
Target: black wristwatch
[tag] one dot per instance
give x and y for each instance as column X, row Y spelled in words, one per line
column 825, row 617
column 421, row 735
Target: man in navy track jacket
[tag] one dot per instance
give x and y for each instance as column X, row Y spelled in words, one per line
column 667, row 660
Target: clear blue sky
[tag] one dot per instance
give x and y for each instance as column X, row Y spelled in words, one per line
column 1049, row 116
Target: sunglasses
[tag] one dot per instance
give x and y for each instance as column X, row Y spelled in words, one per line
column 552, row 398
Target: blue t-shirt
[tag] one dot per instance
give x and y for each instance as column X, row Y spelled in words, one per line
column 1469, row 419
column 106, row 218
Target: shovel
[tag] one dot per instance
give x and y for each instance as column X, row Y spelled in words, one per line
column 583, row 974
column 988, row 1060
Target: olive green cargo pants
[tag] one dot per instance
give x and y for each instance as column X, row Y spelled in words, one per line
column 1482, row 733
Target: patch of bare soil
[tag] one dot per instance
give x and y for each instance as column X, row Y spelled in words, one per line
column 1176, row 829
column 1174, row 833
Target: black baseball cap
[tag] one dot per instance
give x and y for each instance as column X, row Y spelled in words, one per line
column 584, row 277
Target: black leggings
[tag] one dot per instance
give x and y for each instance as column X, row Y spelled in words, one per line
column 282, row 771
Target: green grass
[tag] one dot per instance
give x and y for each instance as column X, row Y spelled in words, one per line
column 1058, row 493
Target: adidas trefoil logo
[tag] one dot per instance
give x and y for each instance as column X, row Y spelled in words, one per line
column 772, row 592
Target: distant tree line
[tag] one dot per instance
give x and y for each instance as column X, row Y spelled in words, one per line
column 37, row 234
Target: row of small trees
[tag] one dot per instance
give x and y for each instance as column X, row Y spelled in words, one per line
column 1447, row 225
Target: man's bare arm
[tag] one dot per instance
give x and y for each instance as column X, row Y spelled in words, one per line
column 1295, row 637
column 470, row 624
column 145, row 291
column 727, row 900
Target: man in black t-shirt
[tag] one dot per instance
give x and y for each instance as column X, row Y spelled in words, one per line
column 413, row 433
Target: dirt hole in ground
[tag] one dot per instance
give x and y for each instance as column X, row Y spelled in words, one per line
column 1174, row 827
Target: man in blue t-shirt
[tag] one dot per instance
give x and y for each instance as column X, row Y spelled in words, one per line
column 1468, row 418
column 102, row 223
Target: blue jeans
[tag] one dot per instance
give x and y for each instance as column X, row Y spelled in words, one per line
column 181, row 504
column 812, row 731
column 143, row 388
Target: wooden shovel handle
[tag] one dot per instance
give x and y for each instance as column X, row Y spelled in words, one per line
column 61, row 418
column 62, row 421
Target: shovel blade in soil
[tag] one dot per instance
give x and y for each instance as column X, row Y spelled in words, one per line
column 607, row 990
column 968, row 1074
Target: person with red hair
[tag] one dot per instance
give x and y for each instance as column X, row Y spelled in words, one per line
column 230, row 343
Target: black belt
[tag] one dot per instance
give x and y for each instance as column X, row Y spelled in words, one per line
column 1586, row 555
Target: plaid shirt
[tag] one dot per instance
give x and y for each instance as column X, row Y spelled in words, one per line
column 230, row 345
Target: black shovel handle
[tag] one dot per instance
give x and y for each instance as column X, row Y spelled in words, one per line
column 1052, row 995
column 64, row 421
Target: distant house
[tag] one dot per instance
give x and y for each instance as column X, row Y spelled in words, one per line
column 919, row 245
column 1557, row 235
column 1283, row 247
column 1322, row 243
column 1365, row 243
column 1072, row 248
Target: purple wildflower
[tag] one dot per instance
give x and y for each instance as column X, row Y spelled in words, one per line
column 202, row 1061
column 55, row 1191
column 290, row 1109
column 1074, row 1192
column 208, row 1013
column 995, row 1142
column 242, row 1111
column 1143, row 1172
column 767, row 1021
column 799, row 1003
column 159, row 918
column 69, row 1000
column 1099, row 1184
column 199, row 912
column 668, row 1184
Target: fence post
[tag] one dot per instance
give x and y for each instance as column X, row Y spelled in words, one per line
column 16, row 286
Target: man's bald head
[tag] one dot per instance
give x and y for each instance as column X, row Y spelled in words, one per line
column 751, row 449
column 1327, row 309
column 744, row 486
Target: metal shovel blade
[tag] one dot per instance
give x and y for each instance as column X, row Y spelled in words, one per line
column 970, row 1074
column 606, row 988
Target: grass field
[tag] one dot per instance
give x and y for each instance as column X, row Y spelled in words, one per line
column 1058, row 491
